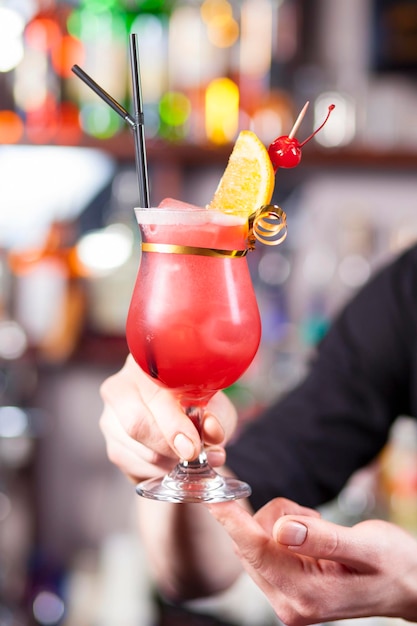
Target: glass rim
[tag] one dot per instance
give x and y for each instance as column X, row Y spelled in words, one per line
column 164, row 209
column 196, row 215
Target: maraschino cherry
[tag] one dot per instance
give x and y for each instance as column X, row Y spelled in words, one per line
column 285, row 151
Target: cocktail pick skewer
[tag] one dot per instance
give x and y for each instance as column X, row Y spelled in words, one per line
column 298, row 120
column 136, row 125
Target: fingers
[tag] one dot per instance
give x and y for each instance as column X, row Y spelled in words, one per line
column 320, row 539
column 151, row 414
column 268, row 514
column 224, row 412
column 251, row 533
column 239, row 524
column 216, row 456
column 312, row 570
column 212, row 429
column 132, row 457
column 253, row 545
column 358, row 548
column 122, row 393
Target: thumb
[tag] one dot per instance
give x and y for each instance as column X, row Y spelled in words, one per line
column 321, row 539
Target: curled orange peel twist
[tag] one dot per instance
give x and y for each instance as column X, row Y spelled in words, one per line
column 268, row 225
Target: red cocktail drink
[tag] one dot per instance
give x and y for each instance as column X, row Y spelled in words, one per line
column 193, row 323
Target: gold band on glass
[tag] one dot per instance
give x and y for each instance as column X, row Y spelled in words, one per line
column 268, row 225
column 173, row 249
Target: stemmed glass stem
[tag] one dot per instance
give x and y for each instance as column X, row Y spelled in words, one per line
column 197, row 470
column 195, row 480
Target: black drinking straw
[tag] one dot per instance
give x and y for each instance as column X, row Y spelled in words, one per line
column 139, row 128
column 116, row 106
column 136, row 123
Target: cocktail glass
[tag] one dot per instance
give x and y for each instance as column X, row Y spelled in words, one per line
column 193, row 326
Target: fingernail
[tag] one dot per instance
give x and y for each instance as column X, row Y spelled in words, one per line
column 216, row 456
column 184, row 447
column 213, row 426
column 292, row 534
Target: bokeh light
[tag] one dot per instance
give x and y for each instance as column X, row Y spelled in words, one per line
column 222, row 110
column 211, row 9
column 11, row 127
column 319, row 267
column 13, row 422
column 13, row 340
column 222, row 28
column 42, row 122
column 69, row 53
column 48, row 608
column 174, row 108
column 42, row 34
column 30, row 83
column 341, row 128
column 69, row 130
column 223, row 31
column 102, row 251
column 256, row 38
column 11, row 44
column 354, row 270
column 99, row 120
column 274, row 268
column 100, row 6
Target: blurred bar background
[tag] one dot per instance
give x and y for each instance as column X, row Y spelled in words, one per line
column 69, row 553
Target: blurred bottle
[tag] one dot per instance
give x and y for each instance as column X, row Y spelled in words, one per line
column 398, row 475
column 101, row 28
column 18, row 380
column 49, row 299
column 41, row 77
column 152, row 31
column 255, row 59
column 17, row 374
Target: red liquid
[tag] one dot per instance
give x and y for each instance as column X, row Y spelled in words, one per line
column 193, row 323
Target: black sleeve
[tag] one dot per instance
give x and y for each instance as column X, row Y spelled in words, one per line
column 308, row 444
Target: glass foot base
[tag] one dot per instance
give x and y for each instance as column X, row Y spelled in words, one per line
column 186, row 484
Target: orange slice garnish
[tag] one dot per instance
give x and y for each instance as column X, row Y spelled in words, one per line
column 248, row 180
